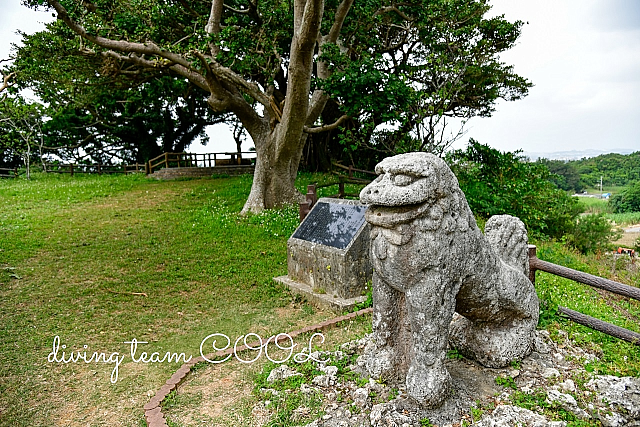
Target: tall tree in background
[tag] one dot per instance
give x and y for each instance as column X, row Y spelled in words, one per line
column 276, row 65
column 20, row 130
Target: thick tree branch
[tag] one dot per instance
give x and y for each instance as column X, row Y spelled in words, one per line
column 213, row 25
column 243, row 11
column 251, row 89
column 148, row 48
column 7, row 81
column 388, row 9
column 327, row 128
column 193, row 77
column 319, row 98
column 338, row 22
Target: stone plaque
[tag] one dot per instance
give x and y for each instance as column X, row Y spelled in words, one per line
column 331, row 224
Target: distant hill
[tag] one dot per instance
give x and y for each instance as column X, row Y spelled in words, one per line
column 573, row 154
column 615, row 169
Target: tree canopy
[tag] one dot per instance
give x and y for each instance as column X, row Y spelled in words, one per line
column 378, row 74
column 628, row 200
column 100, row 113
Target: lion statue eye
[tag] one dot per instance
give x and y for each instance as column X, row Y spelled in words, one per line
column 402, row 180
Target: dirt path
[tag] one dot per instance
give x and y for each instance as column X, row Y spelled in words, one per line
column 628, row 239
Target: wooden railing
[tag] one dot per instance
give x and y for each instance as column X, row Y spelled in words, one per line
column 189, row 160
column 8, row 173
column 536, row 264
column 94, row 168
column 312, row 190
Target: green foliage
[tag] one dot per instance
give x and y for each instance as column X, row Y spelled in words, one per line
column 497, row 183
column 453, row 70
column 627, row 200
column 564, row 175
column 616, row 357
column 592, row 233
column 20, row 130
column 100, row 110
column 537, row 402
column 615, row 169
column 507, row 382
column 594, row 205
column 623, row 219
column 454, row 354
column 366, row 303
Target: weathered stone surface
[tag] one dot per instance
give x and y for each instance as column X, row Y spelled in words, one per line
column 430, row 260
column 282, row 372
column 568, row 402
column 348, row 403
column 621, row 394
column 509, row 416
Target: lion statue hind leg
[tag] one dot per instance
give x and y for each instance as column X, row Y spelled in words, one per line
column 497, row 328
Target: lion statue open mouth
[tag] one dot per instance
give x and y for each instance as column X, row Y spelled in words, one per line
column 430, row 262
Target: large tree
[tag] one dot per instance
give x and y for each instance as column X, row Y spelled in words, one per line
column 101, row 111
column 276, row 64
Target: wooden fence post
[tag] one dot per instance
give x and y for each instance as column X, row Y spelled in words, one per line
column 532, row 270
column 71, row 169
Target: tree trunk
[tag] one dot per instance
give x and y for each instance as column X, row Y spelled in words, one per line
column 274, row 177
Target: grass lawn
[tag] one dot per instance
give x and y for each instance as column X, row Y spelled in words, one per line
column 77, row 253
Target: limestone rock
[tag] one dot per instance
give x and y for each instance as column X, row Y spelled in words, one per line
column 509, row 416
column 281, row 372
column 622, row 394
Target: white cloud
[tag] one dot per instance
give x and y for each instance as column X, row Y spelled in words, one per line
column 584, row 59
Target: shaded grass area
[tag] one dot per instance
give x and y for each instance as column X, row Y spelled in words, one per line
column 73, row 251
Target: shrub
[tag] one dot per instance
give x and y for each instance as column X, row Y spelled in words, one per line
column 627, row 200
column 497, row 183
column 592, row 233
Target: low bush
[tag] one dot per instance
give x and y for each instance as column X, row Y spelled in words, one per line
column 628, row 200
column 592, row 233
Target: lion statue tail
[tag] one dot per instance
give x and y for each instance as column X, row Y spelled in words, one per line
column 508, row 236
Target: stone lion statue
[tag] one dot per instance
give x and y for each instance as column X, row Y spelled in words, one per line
column 438, row 279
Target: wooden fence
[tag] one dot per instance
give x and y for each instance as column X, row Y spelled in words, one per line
column 536, row 264
column 190, row 160
column 8, row 173
column 312, row 194
column 94, row 168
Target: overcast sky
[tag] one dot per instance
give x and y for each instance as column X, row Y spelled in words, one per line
column 583, row 56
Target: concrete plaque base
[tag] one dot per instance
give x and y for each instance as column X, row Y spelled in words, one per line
column 330, row 301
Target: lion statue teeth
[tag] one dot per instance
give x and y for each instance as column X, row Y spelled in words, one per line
column 438, row 280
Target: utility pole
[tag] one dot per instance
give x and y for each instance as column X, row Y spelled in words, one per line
column 600, row 184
